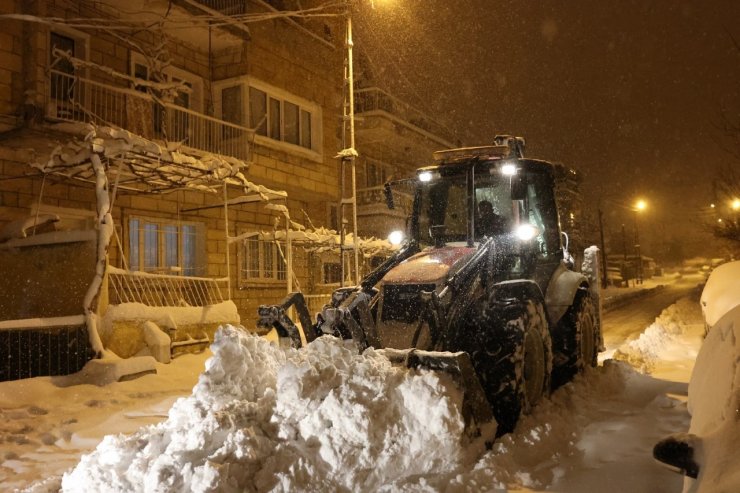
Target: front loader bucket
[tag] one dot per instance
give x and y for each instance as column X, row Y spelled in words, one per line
column 476, row 411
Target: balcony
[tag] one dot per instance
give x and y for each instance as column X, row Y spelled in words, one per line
column 163, row 290
column 372, row 100
column 225, row 7
column 76, row 99
column 374, row 217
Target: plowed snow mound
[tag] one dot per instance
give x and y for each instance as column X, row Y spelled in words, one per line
column 665, row 339
column 322, row 418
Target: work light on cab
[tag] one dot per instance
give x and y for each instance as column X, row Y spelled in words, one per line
column 526, row 232
column 396, row 237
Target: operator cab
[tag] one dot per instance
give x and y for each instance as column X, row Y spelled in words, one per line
column 472, row 194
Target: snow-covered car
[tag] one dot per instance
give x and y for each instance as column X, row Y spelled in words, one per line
column 708, row 454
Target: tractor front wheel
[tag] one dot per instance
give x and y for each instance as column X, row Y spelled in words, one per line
column 520, row 375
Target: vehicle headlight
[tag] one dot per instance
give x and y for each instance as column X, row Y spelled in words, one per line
column 427, row 176
column 508, row 169
column 396, row 237
column 526, row 232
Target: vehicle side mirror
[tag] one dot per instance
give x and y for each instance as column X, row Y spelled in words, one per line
column 677, row 452
column 437, row 232
column 518, row 187
column 388, row 196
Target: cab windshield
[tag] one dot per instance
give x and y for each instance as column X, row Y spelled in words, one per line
column 445, row 209
column 445, row 212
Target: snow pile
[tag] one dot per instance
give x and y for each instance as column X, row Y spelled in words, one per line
column 264, row 418
column 657, row 343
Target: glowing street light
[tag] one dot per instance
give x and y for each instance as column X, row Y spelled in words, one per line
column 735, row 204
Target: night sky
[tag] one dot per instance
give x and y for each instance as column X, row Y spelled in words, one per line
column 629, row 92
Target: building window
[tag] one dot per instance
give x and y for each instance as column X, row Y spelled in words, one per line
column 333, row 218
column 231, row 101
column 191, row 98
column 258, row 111
column 65, row 96
column 163, row 247
column 374, row 174
column 279, row 119
column 331, row 273
column 263, row 260
column 62, row 76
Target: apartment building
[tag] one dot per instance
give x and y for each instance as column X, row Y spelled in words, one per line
column 208, row 130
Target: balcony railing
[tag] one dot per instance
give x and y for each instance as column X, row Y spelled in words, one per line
column 376, row 195
column 77, row 99
column 225, row 7
column 162, row 290
column 374, row 99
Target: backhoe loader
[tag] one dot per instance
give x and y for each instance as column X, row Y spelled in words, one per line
column 483, row 288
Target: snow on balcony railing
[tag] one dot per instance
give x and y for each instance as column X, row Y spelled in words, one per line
column 375, row 99
column 162, row 290
column 77, row 99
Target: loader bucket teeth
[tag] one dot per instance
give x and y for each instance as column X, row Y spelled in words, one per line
column 476, row 410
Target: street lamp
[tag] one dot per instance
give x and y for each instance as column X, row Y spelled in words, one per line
column 640, row 206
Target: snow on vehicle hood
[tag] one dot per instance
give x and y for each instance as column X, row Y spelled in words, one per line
column 720, row 293
column 262, row 418
column 430, row 265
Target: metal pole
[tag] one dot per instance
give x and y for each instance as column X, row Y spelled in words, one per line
column 226, row 238
column 289, row 253
column 637, row 251
column 355, row 241
column 604, row 274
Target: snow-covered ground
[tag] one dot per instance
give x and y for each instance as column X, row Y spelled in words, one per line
column 262, row 418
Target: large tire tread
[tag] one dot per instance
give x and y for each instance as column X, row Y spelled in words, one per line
column 504, row 379
column 578, row 327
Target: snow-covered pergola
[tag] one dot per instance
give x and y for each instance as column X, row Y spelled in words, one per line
column 114, row 159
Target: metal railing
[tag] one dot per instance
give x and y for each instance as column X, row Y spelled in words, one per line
column 162, row 290
column 226, row 7
column 376, row 195
column 77, row 99
column 375, row 99
column 315, row 302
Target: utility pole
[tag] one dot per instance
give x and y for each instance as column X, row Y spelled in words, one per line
column 348, row 159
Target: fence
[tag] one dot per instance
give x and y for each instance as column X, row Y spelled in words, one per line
column 77, row 99
column 163, row 290
column 55, row 349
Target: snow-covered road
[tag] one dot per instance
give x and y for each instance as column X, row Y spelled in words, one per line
column 595, row 434
column 628, row 321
